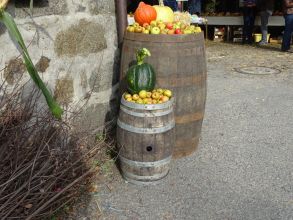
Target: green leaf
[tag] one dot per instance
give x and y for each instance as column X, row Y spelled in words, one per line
column 31, row 6
column 16, row 36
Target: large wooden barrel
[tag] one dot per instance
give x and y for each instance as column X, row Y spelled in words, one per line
column 145, row 137
column 180, row 64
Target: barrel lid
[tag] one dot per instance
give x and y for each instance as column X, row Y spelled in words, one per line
column 133, row 105
column 163, row 38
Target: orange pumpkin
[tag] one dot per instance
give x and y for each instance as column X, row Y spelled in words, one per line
column 145, row 14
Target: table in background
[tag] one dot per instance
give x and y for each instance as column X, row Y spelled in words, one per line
column 230, row 21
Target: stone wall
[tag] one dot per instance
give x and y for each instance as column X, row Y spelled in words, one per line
column 74, row 45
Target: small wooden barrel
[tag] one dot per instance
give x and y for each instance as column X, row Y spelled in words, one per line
column 180, row 65
column 145, row 137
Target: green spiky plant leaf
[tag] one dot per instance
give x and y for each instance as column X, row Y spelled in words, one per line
column 31, row 6
column 8, row 21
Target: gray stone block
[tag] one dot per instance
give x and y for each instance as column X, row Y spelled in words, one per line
column 96, row 116
column 81, row 39
column 102, row 6
column 41, row 8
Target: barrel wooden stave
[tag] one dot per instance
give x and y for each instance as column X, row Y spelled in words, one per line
column 145, row 157
column 135, row 149
column 180, row 64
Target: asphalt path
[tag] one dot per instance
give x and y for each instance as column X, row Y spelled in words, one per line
column 243, row 168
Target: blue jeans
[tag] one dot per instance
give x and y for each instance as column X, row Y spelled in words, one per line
column 194, row 6
column 288, row 32
column 264, row 17
column 172, row 4
column 248, row 20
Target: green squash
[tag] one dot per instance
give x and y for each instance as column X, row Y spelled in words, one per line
column 142, row 75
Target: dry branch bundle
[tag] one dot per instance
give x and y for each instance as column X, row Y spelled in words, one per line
column 41, row 159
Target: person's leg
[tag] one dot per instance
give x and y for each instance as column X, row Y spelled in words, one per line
column 264, row 16
column 245, row 24
column 288, row 32
column 172, row 4
column 194, row 6
column 198, row 7
column 251, row 20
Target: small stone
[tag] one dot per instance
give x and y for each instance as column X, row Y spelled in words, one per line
column 43, row 64
column 14, row 70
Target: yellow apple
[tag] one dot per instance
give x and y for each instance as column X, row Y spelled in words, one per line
column 156, row 95
column 135, row 97
column 148, row 94
column 127, row 95
column 159, row 90
column 129, row 99
column 139, row 101
column 167, row 93
column 142, row 94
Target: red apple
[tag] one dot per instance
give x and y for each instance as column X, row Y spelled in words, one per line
column 178, row 31
column 169, row 25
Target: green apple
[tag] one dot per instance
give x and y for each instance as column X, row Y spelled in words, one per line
column 192, row 27
column 183, row 26
column 155, row 30
column 164, row 31
column 130, row 29
column 135, row 24
column 153, row 24
column 138, row 29
column 146, row 31
column 160, row 22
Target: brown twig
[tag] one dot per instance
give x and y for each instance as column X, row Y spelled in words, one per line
column 58, row 194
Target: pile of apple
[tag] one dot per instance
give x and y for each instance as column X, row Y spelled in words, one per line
column 160, row 27
column 157, row 96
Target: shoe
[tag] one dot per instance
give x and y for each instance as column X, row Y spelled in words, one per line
column 288, row 51
column 262, row 43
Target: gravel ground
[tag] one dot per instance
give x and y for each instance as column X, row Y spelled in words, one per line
column 243, row 168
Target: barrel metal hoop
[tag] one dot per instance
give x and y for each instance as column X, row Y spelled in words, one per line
column 146, row 178
column 164, row 105
column 141, row 183
column 156, row 130
column 146, row 114
column 158, row 163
